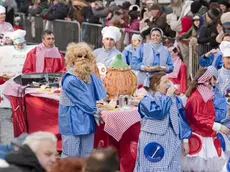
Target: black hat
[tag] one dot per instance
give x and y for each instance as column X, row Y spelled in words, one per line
column 125, row 5
column 213, row 13
column 134, row 14
column 195, row 7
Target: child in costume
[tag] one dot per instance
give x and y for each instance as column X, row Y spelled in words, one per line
column 163, row 127
column 131, row 48
column 179, row 74
column 80, row 91
column 206, row 154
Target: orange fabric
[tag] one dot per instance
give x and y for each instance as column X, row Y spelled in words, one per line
column 200, row 115
column 50, row 64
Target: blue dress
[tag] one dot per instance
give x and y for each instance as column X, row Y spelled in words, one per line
column 78, row 104
column 220, row 106
column 163, row 122
column 223, row 85
column 149, row 55
column 128, row 54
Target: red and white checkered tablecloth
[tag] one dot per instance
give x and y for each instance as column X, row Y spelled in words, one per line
column 118, row 121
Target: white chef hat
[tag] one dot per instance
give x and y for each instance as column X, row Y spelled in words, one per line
column 136, row 37
column 2, row 9
column 111, row 32
column 225, row 48
column 18, row 36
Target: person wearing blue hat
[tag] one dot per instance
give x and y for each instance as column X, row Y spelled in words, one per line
column 163, row 126
column 151, row 57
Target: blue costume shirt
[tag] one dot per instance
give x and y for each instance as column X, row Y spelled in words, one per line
column 146, row 55
column 156, row 108
column 106, row 57
column 78, row 104
column 214, row 60
column 128, row 53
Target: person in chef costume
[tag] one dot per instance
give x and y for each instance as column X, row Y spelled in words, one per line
column 5, row 27
column 107, row 54
column 18, row 38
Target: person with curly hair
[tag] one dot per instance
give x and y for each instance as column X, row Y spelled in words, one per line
column 80, row 91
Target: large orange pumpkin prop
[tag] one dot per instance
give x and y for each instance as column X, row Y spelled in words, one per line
column 120, row 79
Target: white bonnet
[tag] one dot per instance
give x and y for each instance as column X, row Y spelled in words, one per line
column 136, row 37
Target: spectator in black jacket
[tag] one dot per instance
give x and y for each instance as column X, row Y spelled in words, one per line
column 208, row 32
column 42, row 5
column 58, row 10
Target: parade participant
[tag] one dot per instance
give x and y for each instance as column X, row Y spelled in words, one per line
column 107, row 54
column 4, row 26
column 151, row 57
column 80, row 91
column 200, row 113
column 224, row 72
column 45, row 57
column 179, row 74
column 18, row 38
column 224, row 83
column 213, row 57
column 131, row 48
column 159, row 145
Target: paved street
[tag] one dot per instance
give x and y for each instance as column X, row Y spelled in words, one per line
column 6, row 126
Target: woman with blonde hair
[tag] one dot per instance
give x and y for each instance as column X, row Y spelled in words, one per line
column 80, row 91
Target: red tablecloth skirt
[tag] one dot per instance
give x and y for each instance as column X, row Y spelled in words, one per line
column 42, row 115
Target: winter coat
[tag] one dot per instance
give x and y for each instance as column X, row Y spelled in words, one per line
column 25, row 159
column 43, row 5
column 208, row 34
column 158, row 21
column 56, row 11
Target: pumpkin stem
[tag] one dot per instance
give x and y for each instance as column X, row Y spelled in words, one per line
column 119, row 62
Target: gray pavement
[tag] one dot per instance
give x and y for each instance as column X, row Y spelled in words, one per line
column 6, row 126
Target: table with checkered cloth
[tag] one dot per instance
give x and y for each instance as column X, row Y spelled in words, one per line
column 118, row 121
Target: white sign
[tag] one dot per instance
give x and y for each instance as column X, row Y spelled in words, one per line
column 11, row 62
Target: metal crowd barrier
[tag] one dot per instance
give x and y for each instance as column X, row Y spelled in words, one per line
column 71, row 31
column 203, row 48
column 66, row 32
column 193, row 60
column 91, row 34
